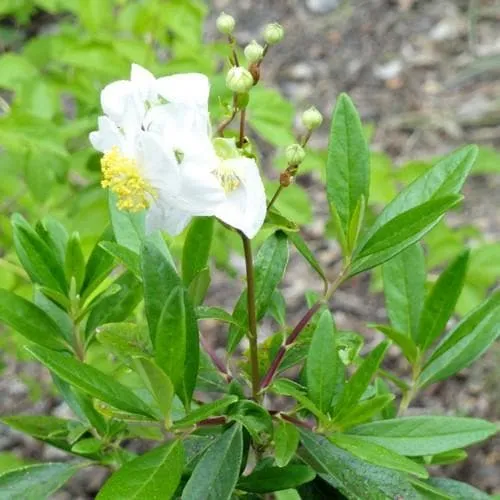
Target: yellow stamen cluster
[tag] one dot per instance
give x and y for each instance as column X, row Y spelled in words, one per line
column 123, row 177
column 227, row 178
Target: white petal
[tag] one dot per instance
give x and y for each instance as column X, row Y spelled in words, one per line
column 245, row 207
column 159, row 164
column 186, row 88
column 107, row 136
column 166, row 217
column 115, row 98
column 144, row 84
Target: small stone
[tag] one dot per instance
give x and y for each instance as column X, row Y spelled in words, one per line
column 388, row 71
column 322, row 6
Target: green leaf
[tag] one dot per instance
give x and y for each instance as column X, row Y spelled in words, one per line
column 116, row 307
column 301, row 246
column 355, row 478
column 465, row 343
column 286, row 441
column 269, row 479
column 199, row 285
column 404, row 289
column 207, row 410
column 457, row 489
column 37, row 257
column 269, row 269
column 255, row 419
column 348, row 163
column 287, row 495
column 74, row 263
column 99, row 265
column 128, row 228
column 445, row 458
column 378, row 455
column 441, row 301
column 158, row 384
column 355, row 225
column 123, row 339
column 156, row 474
column 91, row 381
column 274, row 220
column 87, row 446
column 277, row 308
column 205, row 312
column 216, row 474
column 423, row 435
column 35, row 482
column 323, row 364
column 365, row 410
column 443, row 179
column 196, row 249
column 359, row 382
column 296, row 391
column 429, row 492
column 406, row 343
column 30, row 321
column 400, row 232
column 124, row 255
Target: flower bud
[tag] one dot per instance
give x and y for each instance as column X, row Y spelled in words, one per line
column 225, row 23
column 254, row 52
column 295, row 154
column 312, row 118
column 239, row 80
column 273, row 33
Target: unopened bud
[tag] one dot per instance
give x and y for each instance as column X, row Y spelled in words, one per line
column 295, row 154
column 225, row 23
column 312, row 118
column 273, row 33
column 254, row 52
column 239, row 80
column 285, row 179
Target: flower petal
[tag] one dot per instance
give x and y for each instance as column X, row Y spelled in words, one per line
column 115, row 98
column 107, row 136
column 166, row 217
column 245, row 207
column 185, row 88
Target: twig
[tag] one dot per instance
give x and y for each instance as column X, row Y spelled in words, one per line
column 215, row 359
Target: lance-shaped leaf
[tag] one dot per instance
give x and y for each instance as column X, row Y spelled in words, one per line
column 364, row 411
column 378, row 455
column 443, row 179
column 39, row 260
column 215, row 408
column 118, row 306
column 91, row 381
column 74, row 262
column 30, row 321
column 348, row 162
column 205, row 312
column 355, row 478
column 269, row 479
column 441, row 301
column 34, row 482
column 124, row 255
column 404, row 289
column 216, row 474
column 269, row 268
column 256, row 420
column 286, row 441
column 406, row 343
column 359, row 382
column 196, row 248
column 465, row 343
column 324, row 369
column 171, row 320
column 457, row 489
column 423, row 435
column 129, row 228
column 400, row 232
column 156, row 474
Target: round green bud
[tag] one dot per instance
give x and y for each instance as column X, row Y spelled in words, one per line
column 239, row 80
column 225, row 23
column 295, row 154
column 312, row 118
column 273, row 33
column 254, row 52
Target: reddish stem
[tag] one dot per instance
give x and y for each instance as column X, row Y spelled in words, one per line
column 215, row 359
column 289, row 341
column 296, row 421
column 212, row 421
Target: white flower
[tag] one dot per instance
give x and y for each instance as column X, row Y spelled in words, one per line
column 159, row 156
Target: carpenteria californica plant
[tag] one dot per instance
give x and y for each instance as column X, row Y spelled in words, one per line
column 304, row 413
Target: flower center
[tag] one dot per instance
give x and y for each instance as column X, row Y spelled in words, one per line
column 123, row 177
column 227, row 177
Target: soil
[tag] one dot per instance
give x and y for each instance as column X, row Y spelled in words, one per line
column 426, row 77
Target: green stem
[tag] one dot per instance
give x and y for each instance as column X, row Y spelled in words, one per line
column 252, row 319
column 274, row 198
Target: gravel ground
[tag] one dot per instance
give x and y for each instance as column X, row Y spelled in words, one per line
column 410, row 67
